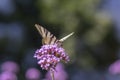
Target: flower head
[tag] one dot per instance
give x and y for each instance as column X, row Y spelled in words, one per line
column 50, row 55
column 115, row 67
column 6, row 75
column 10, row 66
column 33, row 74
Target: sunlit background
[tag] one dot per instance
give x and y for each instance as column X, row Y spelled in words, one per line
column 94, row 48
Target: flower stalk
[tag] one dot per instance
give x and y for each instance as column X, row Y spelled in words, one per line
column 52, row 74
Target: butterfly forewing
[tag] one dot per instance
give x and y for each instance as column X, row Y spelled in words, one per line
column 48, row 38
column 64, row 38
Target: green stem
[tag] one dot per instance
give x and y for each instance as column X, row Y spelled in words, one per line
column 52, row 74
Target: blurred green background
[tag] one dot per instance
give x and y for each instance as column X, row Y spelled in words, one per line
column 92, row 48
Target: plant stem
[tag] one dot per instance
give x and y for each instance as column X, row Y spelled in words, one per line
column 52, row 74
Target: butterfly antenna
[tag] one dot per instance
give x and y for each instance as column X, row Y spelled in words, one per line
column 64, row 38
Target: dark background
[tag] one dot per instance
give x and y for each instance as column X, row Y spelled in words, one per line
column 92, row 49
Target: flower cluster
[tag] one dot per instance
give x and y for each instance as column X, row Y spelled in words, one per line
column 50, row 55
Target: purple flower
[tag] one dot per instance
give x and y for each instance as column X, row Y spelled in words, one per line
column 115, row 67
column 10, row 66
column 6, row 75
column 33, row 74
column 50, row 55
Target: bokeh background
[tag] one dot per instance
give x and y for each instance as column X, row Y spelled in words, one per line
column 93, row 49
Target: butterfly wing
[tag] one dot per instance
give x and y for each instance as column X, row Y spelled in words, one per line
column 48, row 38
column 64, row 38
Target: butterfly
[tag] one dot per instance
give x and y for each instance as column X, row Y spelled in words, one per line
column 48, row 38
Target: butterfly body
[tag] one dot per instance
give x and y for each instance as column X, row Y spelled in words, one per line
column 49, row 38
